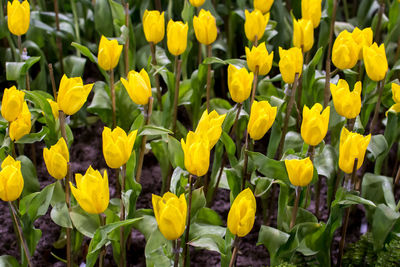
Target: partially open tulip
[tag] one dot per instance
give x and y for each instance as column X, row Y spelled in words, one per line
column 263, row 5
column 109, row 53
column 117, row 146
column 91, row 191
column 255, row 24
column 300, row 171
column 177, row 37
column 363, row 38
column 11, row 180
column 56, row 159
column 258, row 56
column 315, row 124
column 345, row 51
column 196, row 150
column 311, row 10
column 11, row 104
column 291, row 62
column 303, row 34
column 170, row 212
column 197, row 3
column 22, row 125
column 262, row 116
column 72, row 94
column 242, row 214
column 375, row 61
column 210, row 125
column 239, row 83
column 352, row 146
column 153, row 26
column 396, row 92
column 54, row 108
column 138, row 86
column 205, row 27
column 347, row 104
column 19, row 15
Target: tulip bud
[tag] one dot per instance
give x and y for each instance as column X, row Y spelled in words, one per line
column 396, row 92
column 54, row 108
column 375, row 62
column 300, row 171
column 56, row 159
column 205, row 27
column 170, row 212
column 22, row 125
column 303, row 34
column 91, row 191
column 210, row 126
column 345, row 51
column 138, row 86
column 109, row 53
column 255, row 24
column 117, row 146
column 19, row 15
column 242, row 214
column 11, row 180
column 197, row 153
column 315, row 124
column 177, row 37
column 11, row 105
column 311, row 10
column 363, row 38
column 72, row 94
column 258, row 56
column 291, row 62
column 239, row 83
column 262, row 116
column 153, row 26
column 347, row 104
column 263, row 5
column 352, row 146
column 197, row 3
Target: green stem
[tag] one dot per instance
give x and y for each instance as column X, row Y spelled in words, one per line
column 235, row 251
column 177, row 245
column 185, row 248
column 122, row 261
column 295, row 208
column 103, row 249
column 157, row 76
column 114, row 112
column 209, row 54
column 178, row 65
column 374, row 121
column 144, row 139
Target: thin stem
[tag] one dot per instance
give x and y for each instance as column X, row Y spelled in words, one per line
column 254, row 89
column 58, row 39
column 374, row 121
column 76, row 25
column 20, row 47
column 311, row 152
column 245, row 162
column 122, row 261
column 126, row 51
column 199, row 57
column 177, row 245
column 379, row 23
column 12, row 145
column 295, row 208
column 114, row 113
column 53, row 82
column 255, row 43
column 396, row 180
column 209, row 54
column 178, row 64
column 158, row 5
column 235, row 251
column 103, row 249
column 156, row 76
column 185, row 248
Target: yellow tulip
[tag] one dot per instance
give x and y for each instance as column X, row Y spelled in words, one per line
column 311, row 10
column 197, row 153
column 347, row 104
column 11, row 180
column 153, row 26
column 117, row 146
column 11, row 105
column 315, row 124
column 255, row 24
column 375, row 62
column 262, row 116
column 263, row 5
column 363, row 38
column 170, row 212
column 396, row 92
column 138, row 86
column 291, row 62
column 394, row 108
column 352, row 146
column 72, row 94
column 239, row 83
column 303, row 34
column 205, row 27
column 91, row 191
column 54, row 108
column 56, row 159
column 197, row 3
column 22, row 125
column 177, row 37
column 109, row 53
column 300, row 171
column 345, row 51
column 19, row 15
column 258, row 56
column 242, row 214
column 210, row 126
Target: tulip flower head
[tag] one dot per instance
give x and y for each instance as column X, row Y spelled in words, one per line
column 263, row 5
column 153, row 26
column 54, row 108
column 345, row 51
column 196, row 150
column 170, row 212
column 210, row 126
column 138, row 86
column 109, row 53
column 347, row 104
column 12, row 103
column 197, row 3
column 363, row 38
column 394, row 108
column 19, row 16
column 56, row 159
column 315, row 124
column 177, row 37
column 291, row 62
column 11, row 180
column 72, row 94
column 352, row 146
column 262, row 116
column 375, row 62
column 311, row 10
column 303, row 34
column 258, row 56
column 242, row 214
column 300, row 171
column 117, row 146
column 239, row 83
column 396, row 92
column 205, row 27
column 255, row 24
column 22, row 125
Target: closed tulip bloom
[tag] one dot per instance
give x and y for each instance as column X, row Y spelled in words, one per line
column 11, row 180
column 91, row 191
column 300, row 171
column 19, row 15
column 170, row 212
column 210, row 125
column 291, row 62
column 205, row 27
column 311, row 10
column 315, row 124
column 196, row 150
column 345, row 51
column 54, row 108
column 72, row 94
column 396, row 92
column 352, row 146
column 11, row 104
column 22, row 125
column 138, row 86
column 262, row 116
column 347, row 104
column 303, row 34
column 263, row 5
column 117, row 146
column 56, row 159
column 197, row 3
column 255, row 24
column 177, row 37
column 258, row 56
column 109, row 53
column 363, row 38
column 153, row 26
column 242, row 214
column 239, row 83
column 375, row 62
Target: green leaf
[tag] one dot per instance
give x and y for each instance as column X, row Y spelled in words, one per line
column 101, row 103
column 272, row 239
column 8, row 261
column 378, row 189
column 156, row 248
column 60, row 215
column 17, row 70
column 85, row 51
column 345, row 198
column 154, row 130
column 36, row 204
column 270, row 168
column 176, row 155
column 103, row 18
column 85, row 223
column 208, row 216
column 377, row 146
column 198, row 200
column 74, row 66
column 230, row 146
column 34, row 137
column 383, row 221
column 31, row 182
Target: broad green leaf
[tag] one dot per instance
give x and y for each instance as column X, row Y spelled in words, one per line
column 378, row 189
column 34, row 137
column 269, row 167
column 8, row 261
column 272, row 239
column 154, row 130
column 382, row 223
column 17, row 70
column 103, row 18
column 208, row 216
column 377, row 146
column 85, row 223
column 31, row 182
column 60, row 215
